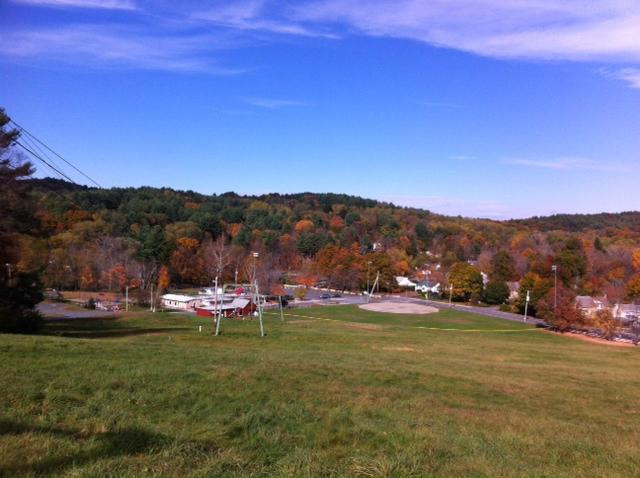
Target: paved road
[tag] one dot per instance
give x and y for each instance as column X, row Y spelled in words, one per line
column 487, row 311
column 62, row 311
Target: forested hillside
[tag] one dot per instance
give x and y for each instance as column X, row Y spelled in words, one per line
column 93, row 238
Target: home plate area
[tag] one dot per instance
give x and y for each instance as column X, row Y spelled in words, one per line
column 399, row 308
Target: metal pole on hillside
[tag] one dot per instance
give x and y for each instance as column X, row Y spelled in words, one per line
column 554, row 268
column 526, row 306
column 259, row 310
column 281, row 311
column 450, row 293
column 151, row 299
column 216, row 310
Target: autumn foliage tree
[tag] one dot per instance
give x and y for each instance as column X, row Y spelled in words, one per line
column 466, row 281
column 185, row 260
column 560, row 311
column 164, row 279
column 341, row 266
column 606, row 322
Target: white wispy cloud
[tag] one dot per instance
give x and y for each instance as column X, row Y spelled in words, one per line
column 574, row 30
column 271, row 103
column 629, row 75
column 118, row 47
column 538, row 29
column 251, row 15
column 95, row 4
column 567, row 163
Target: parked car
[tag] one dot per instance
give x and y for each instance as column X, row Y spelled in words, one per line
column 336, row 295
column 325, row 296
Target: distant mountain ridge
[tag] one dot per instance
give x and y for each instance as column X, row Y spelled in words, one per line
column 558, row 222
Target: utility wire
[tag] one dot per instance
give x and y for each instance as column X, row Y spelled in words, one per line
column 37, row 156
column 46, row 146
column 34, row 146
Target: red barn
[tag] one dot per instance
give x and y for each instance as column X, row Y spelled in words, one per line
column 238, row 307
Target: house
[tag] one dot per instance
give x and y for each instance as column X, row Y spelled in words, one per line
column 426, row 286
column 238, row 307
column 514, row 289
column 626, row 312
column 485, row 278
column 179, row 301
column 404, row 282
column 590, row 305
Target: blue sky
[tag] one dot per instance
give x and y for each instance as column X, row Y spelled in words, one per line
column 493, row 108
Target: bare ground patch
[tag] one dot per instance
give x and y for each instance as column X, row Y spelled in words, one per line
column 399, row 349
column 399, row 308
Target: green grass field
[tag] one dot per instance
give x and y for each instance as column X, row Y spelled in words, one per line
column 333, row 391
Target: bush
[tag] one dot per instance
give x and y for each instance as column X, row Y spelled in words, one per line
column 496, row 292
column 506, row 308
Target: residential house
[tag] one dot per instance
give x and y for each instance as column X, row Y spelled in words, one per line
column 514, row 289
column 404, row 282
column 626, row 312
column 590, row 305
column 427, row 287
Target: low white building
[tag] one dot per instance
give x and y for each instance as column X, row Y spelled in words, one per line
column 179, row 301
column 626, row 311
column 405, row 282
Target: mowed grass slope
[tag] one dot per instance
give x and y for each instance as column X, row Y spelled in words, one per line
column 363, row 394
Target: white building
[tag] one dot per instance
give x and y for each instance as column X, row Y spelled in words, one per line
column 179, row 301
column 404, row 282
column 626, row 311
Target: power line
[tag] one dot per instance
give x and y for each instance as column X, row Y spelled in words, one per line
column 37, row 156
column 46, row 146
column 33, row 145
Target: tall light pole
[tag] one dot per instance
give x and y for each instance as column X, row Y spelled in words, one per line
column 526, row 306
column 450, row 293
column 255, row 256
column 554, row 268
column 8, row 270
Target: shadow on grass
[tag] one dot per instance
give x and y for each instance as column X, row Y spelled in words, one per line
column 99, row 446
column 99, row 328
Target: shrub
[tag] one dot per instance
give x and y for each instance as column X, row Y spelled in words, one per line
column 496, row 292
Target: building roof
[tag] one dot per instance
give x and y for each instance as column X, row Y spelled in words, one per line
column 588, row 302
column 179, row 297
column 238, row 303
